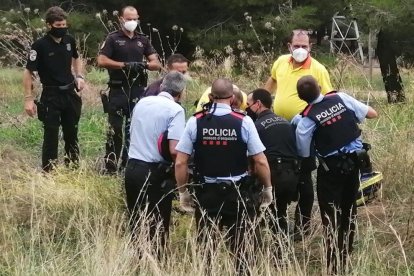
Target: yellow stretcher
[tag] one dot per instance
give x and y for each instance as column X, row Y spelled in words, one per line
column 370, row 188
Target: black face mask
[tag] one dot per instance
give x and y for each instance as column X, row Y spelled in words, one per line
column 58, row 32
column 251, row 114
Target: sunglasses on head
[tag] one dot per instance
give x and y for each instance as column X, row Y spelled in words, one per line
column 300, row 31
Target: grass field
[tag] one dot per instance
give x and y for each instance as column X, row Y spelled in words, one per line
column 72, row 222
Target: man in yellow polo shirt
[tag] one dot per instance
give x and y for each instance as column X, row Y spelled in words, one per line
column 285, row 73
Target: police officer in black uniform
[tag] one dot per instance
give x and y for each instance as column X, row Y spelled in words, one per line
column 123, row 54
column 278, row 136
column 222, row 140
column 53, row 57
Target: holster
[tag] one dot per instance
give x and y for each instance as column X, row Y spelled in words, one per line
column 342, row 163
column 250, row 190
column 105, row 101
column 41, row 110
column 164, row 175
column 363, row 161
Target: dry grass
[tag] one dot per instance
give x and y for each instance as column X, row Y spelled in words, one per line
column 74, row 222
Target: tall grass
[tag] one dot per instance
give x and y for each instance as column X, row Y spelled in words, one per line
column 74, row 222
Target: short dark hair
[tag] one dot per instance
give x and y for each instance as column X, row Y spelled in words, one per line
column 308, row 88
column 263, row 95
column 176, row 58
column 54, row 14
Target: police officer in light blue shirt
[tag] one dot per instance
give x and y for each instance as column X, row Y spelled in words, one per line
column 222, row 140
column 307, row 126
column 155, row 120
column 248, row 134
column 328, row 126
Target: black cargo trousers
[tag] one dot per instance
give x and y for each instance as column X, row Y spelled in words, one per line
column 59, row 106
column 306, row 196
column 121, row 101
column 231, row 207
column 149, row 191
column 285, row 179
column 338, row 181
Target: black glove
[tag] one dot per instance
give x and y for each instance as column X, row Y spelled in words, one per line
column 136, row 66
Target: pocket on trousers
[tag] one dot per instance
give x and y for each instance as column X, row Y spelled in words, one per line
column 77, row 97
column 287, row 182
column 76, row 103
column 41, row 110
column 117, row 102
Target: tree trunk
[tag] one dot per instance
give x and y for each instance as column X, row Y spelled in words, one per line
column 321, row 34
column 389, row 70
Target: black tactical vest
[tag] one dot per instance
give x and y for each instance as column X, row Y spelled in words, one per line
column 277, row 135
column 336, row 124
column 219, row 148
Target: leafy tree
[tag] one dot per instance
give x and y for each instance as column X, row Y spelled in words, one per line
column 392, row 20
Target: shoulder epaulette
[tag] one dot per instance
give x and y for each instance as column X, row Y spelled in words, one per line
column 305, row 112
column 200, row 114
column 238, row 114
column 141, row 34
column 331, row 93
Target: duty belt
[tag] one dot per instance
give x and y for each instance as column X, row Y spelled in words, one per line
column 124, row 83
column 148, row 164
column 152, row 165
column 342, row 162
column 70, row 86
column 226, row 182
column 280, row 161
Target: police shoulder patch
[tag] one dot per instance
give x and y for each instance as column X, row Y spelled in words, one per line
column 32, row 55
column 68, row 47
column 139, row 43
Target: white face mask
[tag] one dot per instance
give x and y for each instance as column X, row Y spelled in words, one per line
column 300, row 54
column 130, row 25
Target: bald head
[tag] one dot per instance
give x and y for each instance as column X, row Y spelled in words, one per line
column 128, row 10
column 308, row 88
column 222, row 89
